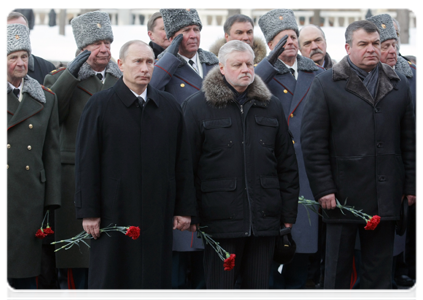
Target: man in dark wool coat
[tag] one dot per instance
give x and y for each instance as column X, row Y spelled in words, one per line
column 90, row 72
column 33, row 160
column 133, row 168
column 245, row 168
column 358, row 137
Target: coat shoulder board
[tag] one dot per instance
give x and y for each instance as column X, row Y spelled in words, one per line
column 57, row 70
column 47, row 89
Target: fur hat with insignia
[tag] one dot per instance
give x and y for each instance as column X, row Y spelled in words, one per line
column 176, row 19
column 18, row 38
column 385, row 25
column 275, row 21
column 91, row 27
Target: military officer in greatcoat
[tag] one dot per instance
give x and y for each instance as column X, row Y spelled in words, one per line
column 33, row 160
column 289, row 75
column 180, row 70
column 90, row 72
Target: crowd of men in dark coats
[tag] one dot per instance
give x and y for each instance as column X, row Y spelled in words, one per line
column 223, row 142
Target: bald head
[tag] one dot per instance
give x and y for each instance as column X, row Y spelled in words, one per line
column 312, row 43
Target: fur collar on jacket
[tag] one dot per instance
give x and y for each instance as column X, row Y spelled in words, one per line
column 303, row 64
column 204, row 57
column 342, row 71
column 86, row 71
column 403, row 67
column 219, row 94
column 32, row 87
column 259, row 48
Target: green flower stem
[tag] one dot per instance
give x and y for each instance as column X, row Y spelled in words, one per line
column 215, row 245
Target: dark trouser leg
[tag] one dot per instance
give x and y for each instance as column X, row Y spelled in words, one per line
column 295, row 272
column 256, row 262
column 355, row 276
column 48, row 277
column 340, row 242
column 377, row 247
column 179, row 269
column 75, row 278
column 25, row 288
column 215, row 276
column 197, row 270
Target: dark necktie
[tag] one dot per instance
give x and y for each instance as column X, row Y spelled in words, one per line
column 292, row 72
column 141, row 101
column 16, row 92
column 191, row 62
column 100, row 76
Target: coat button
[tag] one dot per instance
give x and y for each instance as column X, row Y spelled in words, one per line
column 29, row 147
column 8, row 146
column 8, row 166
column 182, row 85
column 293, row 141
column 285, row 91
column 292, row 115
column 379, row 145
column 27, row 168
column 30, row 126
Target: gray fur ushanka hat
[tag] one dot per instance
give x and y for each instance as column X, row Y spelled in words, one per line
column 275, row 21
column 18, row 38
column 91, row 27
column 385, row 25
column 176, row 19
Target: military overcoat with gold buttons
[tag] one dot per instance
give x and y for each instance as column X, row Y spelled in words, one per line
column 33, row 173
column 72, row 95
column 292, row 93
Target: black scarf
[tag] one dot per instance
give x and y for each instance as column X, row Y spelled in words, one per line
column 370, row 80
column 240, row 98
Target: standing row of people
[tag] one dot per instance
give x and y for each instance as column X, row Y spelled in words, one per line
column 224, row 144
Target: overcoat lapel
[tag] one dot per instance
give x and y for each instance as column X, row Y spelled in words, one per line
column 12, row 103
column 191, row 77
column 26, row 109
column 301, row 89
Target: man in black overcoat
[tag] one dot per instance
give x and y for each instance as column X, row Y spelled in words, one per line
column 133, row 168
column 358, row 137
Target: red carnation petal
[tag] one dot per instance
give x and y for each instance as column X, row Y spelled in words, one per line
column 229, row 263
column 133, row 232
column 48, row 231
column 40, row 234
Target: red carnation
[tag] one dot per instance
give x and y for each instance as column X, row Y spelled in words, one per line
column 40, row 234
column 229, row 263
column 133, row 232
column 48, row 231
column 372, row 223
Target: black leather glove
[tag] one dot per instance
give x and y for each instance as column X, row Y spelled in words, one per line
column 76, row 64
column 174, row 46
column 274, row 54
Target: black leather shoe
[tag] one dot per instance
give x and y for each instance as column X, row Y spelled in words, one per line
column 404, row 280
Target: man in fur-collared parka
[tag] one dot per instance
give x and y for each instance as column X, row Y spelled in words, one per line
column 241, row 27
column 33, row 161
column 245, row 169
column 90, row 72
column 288, row 76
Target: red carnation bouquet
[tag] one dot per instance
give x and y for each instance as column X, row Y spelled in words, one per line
column 227, row 258
column 131, row 231
column 371, row 221
column 43, row 232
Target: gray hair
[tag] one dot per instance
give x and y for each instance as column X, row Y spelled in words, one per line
column 236, row 19
column 124, row 49
column 367, row 26
column 232, row 46
column 152, row 22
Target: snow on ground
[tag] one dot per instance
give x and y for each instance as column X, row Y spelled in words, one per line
column 48, row 44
